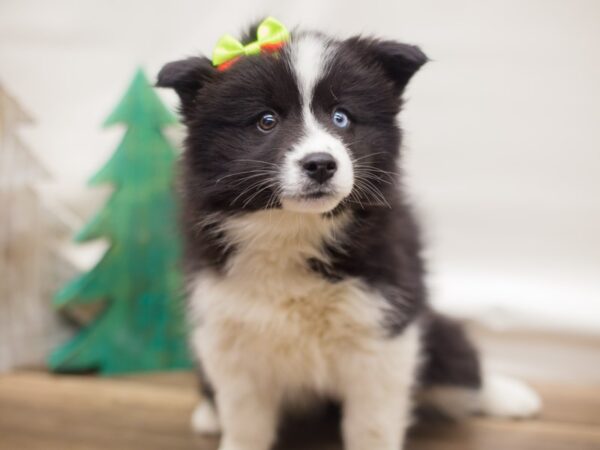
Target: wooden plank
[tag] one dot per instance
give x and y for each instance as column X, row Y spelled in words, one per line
column 489, row 434
column 41, row 411
column 562, row 402
column 570, row 403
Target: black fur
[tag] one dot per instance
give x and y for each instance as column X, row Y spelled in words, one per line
column 451, row 358
column 186, row 77
column 367, row 77
column 204, row 385
column 394, row 267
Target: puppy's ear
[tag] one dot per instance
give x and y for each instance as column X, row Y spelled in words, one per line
column 187, row 77
column 400, row 61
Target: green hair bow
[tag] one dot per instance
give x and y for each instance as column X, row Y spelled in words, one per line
column 271, row 35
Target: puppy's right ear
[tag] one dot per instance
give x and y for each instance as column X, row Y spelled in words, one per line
column 187, row 77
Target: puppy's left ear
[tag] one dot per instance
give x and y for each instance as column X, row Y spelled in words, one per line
column 400, row 61
column 187, row 77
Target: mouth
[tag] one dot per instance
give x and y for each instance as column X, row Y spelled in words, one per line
column 318, row 201
column 315, row 195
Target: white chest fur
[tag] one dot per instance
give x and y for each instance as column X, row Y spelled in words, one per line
column 274, row 319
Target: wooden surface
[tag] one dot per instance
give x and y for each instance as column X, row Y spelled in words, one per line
column 41, row 411
column 151, row 412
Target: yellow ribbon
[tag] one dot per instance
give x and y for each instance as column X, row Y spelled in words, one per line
column 269, row 32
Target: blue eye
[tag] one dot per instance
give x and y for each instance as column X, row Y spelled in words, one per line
column 340, row 119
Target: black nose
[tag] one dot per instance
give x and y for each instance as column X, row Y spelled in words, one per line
column 319, row 166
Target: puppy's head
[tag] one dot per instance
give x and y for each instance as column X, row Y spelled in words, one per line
column 306, row 129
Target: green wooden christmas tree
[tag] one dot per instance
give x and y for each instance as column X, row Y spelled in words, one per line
column 140, row 326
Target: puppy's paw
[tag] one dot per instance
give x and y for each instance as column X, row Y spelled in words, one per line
column 503, row 396
column 227, row 444
column 230, row 446
column 205, row 419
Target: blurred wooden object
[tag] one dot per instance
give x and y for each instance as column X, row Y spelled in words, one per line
column 151, row 412
column 30, row 266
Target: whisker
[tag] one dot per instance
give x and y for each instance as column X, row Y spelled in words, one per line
column 242, row 173
column 375, row 191
column 249, row 188
column 238, row 182
column 372, row 176
column 272, row 184
column 371, row 192
column 377, row 169
column 367, row 156
column 258, row 161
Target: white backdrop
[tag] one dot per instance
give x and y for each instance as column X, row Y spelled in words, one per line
column 503, row 128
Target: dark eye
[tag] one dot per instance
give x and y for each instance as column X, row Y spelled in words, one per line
column 267, row 122
column 340, row 119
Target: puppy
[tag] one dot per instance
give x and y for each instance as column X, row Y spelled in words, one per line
column 302, row 254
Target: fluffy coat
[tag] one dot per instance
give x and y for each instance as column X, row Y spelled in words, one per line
column 300, row 290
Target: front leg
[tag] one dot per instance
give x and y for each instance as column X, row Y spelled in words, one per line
column 248, row 413
column 377, row 391
column 376, row 418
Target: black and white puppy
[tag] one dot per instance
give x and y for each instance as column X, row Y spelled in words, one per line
column 303, row 257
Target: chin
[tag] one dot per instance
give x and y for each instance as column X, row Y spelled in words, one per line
column 310, row 204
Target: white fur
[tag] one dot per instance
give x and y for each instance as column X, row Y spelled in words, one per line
column 271, row 333
column 318, row 205
column 205, row 420
column 309, row 57
column 455, row 402
column 500, row 396
column 503, row 396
